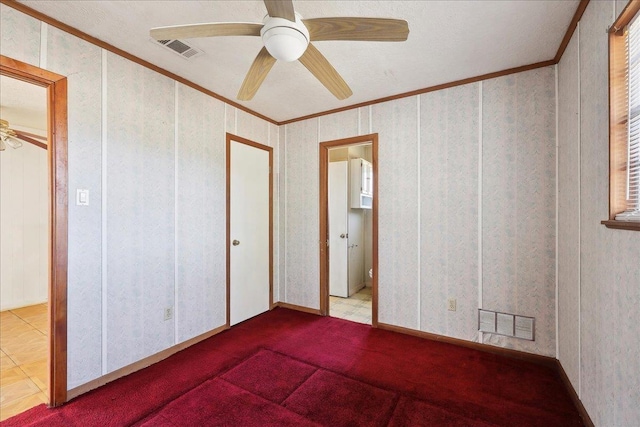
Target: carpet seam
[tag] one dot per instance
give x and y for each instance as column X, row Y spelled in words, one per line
column 398, row 393
column 156, row 410
column 266, row 400
column 393, row 410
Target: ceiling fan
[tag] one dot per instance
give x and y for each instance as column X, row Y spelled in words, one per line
column 287, row 37
column 8, row 136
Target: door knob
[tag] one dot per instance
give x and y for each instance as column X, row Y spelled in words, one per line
column 342, row 236
column 235, row 242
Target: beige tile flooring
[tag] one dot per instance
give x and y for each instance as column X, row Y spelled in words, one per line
column 356, row 308
column 23, row 359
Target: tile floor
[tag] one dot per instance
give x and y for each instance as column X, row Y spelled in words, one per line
column 356, row 308
column 23, row 359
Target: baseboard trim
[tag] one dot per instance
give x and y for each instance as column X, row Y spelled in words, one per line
column 574, row 396
column 546, row 361
column 141, row 364
column 297, row 307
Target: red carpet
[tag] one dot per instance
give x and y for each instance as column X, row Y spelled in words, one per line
column 290, row 368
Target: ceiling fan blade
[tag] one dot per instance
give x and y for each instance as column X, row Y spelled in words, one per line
column 324, row 71
column 213, row 29
column 280, row 9
column 256, row 75
column 359, row 29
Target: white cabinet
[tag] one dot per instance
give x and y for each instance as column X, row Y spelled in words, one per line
column 361, row 184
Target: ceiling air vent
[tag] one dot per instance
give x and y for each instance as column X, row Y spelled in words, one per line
column 181, row 48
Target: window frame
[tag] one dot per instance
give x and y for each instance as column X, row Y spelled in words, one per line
column 618, row 112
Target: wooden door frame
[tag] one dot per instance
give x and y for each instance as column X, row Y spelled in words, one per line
column 56, row 86
column 324, row 220
column 235, row 138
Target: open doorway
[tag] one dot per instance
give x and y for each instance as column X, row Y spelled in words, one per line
column 24, row 246
column 55, row 141
column 348, row 229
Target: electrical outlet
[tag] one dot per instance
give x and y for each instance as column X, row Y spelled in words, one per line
column 451, row 304
column 168, row 313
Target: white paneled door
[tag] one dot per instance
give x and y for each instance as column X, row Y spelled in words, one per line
column 249, row 234
column 338, row 229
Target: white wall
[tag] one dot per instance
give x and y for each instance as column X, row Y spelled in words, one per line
column 598, row 268
column 466, row 199
column 152, row 153
column 24, row 226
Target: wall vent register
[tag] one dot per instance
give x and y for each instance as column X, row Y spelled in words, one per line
column 510, row 325
column 179, row 47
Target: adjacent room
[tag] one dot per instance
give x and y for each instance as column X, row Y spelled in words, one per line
column 290, row 212
column 24, row 245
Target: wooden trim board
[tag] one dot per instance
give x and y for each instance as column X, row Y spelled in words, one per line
column 298, row 308
column 572, row 28
column 426, row 90
column 141, row 364
column 324, row 219
column 58, row 250
column 546, row 361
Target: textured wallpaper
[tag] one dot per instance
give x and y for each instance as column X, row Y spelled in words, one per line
column 449, row 210
column 301, row 212
column 200, row 235
column 82, row 63
column 339, row 125
column 609, row 266
column 140, row 211
column 518, row 202
column 20, row 35
column 569, row 212
column 599, row 321
column 165, row 172
column 398, row 221
column 429, row 166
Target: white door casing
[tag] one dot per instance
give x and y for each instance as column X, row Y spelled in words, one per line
column 249, row 233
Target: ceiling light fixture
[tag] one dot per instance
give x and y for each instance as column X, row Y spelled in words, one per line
column 8, row 136
column 285, row 40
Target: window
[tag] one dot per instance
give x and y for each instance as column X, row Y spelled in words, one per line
column 624, row 79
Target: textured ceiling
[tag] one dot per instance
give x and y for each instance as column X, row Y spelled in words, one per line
column 22, row 104
column 448, row 41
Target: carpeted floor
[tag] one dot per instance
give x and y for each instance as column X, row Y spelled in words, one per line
column 290, row 368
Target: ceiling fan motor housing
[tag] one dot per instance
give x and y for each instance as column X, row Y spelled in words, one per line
column 285, row 40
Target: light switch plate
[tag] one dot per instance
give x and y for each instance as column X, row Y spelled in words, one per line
column 82, row 197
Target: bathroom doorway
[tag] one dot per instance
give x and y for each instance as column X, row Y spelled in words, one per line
column 348, row 229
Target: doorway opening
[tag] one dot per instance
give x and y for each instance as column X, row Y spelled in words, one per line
column 349, row 229
column 24, row 245
column 56, row 253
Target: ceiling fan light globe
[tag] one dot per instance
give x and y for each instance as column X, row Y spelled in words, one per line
column 285, row 44
column 285, row 40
